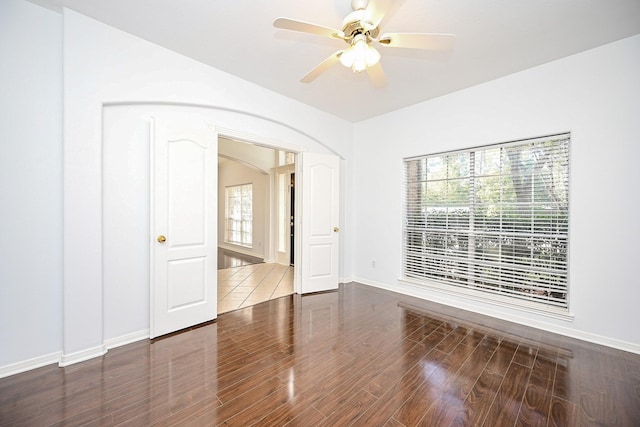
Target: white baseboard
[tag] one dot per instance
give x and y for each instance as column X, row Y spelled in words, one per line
column 126, row 339
column 413, row 291
column 69, row 359
column 27, row 365
column 241, row 250
column 81, row 356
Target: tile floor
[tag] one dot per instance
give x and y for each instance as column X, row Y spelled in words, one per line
column 247, row 285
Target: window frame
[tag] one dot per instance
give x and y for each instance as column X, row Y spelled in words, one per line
column 421, row 276
column 245, row 225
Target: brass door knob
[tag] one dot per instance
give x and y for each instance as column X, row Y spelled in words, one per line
column 336, row 229
column 162, row 239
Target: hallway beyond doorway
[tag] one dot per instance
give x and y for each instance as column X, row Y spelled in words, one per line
column 247, row 285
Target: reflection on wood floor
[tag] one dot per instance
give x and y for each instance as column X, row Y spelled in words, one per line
column 229, row 259
column 358, row 356
column 248, row 285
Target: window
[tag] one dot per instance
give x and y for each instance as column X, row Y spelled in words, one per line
column 239, row 215
column 491, row 222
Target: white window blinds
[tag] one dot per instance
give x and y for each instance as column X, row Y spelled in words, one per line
column 493, row 219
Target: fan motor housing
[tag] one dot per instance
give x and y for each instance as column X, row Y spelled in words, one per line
column 353, row 26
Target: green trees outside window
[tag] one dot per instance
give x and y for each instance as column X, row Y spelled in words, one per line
column 494, row 219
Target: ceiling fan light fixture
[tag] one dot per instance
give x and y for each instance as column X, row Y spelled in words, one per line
column 359, row 55
column 372, row 56
column 360, row 29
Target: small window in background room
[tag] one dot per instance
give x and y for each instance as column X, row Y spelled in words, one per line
column 491, row 222
column 239, row 215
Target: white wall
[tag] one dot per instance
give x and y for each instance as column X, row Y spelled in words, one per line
column 30, row 185
column 125, row 222
column 233, row 173
column 105, row 66
column 596, row 96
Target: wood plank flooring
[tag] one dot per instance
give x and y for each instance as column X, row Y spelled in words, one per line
column 359, row 356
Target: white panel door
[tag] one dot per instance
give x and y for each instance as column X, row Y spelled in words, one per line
column 183, row 223
column 320, row 222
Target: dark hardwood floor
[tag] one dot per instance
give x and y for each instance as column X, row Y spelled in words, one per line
column 359, row 356
column 230, row 259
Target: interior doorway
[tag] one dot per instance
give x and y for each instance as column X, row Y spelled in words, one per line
column 254, row 223
column 130, row 280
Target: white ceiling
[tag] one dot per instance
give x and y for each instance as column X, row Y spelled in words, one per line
column 494, row 38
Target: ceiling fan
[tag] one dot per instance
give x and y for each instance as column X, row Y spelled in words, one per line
column 359, row 30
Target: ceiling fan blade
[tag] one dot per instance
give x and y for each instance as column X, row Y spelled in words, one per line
column 376, row 10
column 322, row 67
column 376, row 74
column 305, row 27
column 428, row 41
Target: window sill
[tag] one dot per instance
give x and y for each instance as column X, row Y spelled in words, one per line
column 240, row 245
column 499, row 300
